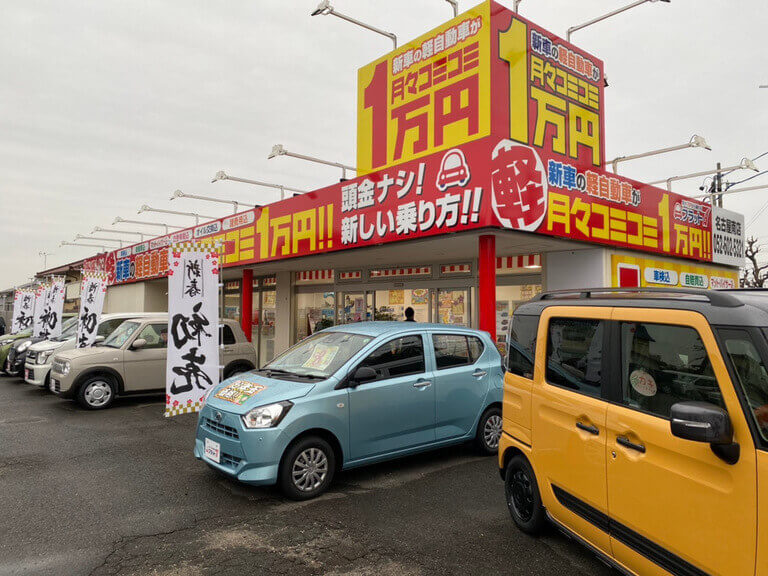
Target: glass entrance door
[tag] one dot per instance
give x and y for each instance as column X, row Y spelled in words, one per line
column 391, row 304
column 355, row 307
column 267, row 327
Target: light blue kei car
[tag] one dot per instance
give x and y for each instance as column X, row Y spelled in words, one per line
column 353, row 395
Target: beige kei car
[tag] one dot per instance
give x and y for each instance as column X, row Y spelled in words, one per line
column 131, row 361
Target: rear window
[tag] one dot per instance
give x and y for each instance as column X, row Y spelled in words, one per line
column 522, row 345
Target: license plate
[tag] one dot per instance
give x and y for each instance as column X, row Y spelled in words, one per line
column 213, row 450
column 27, row 373
column 53, row 385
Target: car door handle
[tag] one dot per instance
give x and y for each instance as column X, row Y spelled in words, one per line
column 624, row 441
column 479, row 373
column 422, row 384
column 588, row 428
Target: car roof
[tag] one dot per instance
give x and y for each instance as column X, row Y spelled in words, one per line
column 128, row 315
column 736, row 307
column 379, row 328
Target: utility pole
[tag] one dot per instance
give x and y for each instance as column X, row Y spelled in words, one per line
column 719, row 186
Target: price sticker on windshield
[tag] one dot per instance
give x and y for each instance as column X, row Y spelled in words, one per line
column 239, row 391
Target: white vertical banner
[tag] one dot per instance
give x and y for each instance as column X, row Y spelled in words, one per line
column 92, row 291
column 53, row 319
column 42, row 293
column 23, row 310
column 193, row 325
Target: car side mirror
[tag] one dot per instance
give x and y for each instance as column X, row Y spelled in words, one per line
column 705, row 422
column 98, row 340
column 363, row 374
column 138, row 344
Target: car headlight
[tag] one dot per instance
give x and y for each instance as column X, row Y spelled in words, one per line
column 42, row 357
column 65, row 366
column 267, row 416
column 25, row 345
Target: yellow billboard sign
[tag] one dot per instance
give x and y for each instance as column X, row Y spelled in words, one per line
column 429, row 95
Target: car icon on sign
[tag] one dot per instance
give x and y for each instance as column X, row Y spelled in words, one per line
column 454, row 170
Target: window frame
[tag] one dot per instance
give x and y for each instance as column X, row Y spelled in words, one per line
column 530, row 355
column 761, row 344
column 472, row 359
column 607, row 382
column 617, row 377
column 376, row 347
column 141, row 330
column 224, row 328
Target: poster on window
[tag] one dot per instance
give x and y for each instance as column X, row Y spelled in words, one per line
column 92, row 291
column 23, row 310
column 192, row 365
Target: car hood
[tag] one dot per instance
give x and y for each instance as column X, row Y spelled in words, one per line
column 46, row 345
column 264, row 391
column 90, row 354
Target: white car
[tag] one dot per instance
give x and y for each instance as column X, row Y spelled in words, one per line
column 37, row 367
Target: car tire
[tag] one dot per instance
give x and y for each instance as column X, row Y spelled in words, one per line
column 307, row 468
column 489, row 431
column 97, row 392
column 523, row 498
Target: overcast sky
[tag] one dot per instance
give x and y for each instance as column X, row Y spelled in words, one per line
column 106, row 105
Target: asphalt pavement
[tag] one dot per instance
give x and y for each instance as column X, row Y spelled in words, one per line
column 119, row 492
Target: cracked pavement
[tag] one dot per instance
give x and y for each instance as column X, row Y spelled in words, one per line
column 118, row 492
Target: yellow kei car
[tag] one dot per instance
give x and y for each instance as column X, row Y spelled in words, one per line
column 636, row 421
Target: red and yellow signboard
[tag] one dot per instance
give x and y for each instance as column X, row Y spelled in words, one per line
column 486, row 122
column 429, row 95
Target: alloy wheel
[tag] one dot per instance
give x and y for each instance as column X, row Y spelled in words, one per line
column 310, row 469
column 492, row 431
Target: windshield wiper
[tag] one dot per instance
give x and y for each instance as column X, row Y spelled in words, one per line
column 270, row 371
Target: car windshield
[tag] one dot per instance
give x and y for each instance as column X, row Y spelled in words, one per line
column 318, row 356
column 68, row 330
column 121, row 334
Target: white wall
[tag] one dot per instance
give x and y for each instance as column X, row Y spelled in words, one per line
column 572, row 269
column 125, row 298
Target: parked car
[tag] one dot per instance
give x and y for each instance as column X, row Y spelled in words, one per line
column 6, row 343
column 353, row 395
column 636, row 421
column 37, row 366
column 17, row 354
column 131, row 361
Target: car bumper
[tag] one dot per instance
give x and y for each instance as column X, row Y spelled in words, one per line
column 14, row 368
column 61, row 385
column 36, row 374
column 250, row 456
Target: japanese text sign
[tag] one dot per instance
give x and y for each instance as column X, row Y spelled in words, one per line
column 192, row 364
column 23, row 310
column 92, row 291
column 429, row 95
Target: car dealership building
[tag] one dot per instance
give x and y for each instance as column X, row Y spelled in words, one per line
column 481, row 181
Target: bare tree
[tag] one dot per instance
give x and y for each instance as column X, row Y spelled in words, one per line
column 754, row 275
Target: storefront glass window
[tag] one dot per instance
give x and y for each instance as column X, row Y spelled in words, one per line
column 232, row 299
column 391, row 304
column 355, row 307
column 314, row 311
column 453, row 307
column 267, row 327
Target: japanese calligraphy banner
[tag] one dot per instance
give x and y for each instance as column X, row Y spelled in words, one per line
column 23, row 310
column 53, row 319
column 193, row 355
column 92, row 291
column 41, row 314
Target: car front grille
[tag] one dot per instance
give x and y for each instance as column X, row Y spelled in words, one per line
column 222, row 429
column 229, row 460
